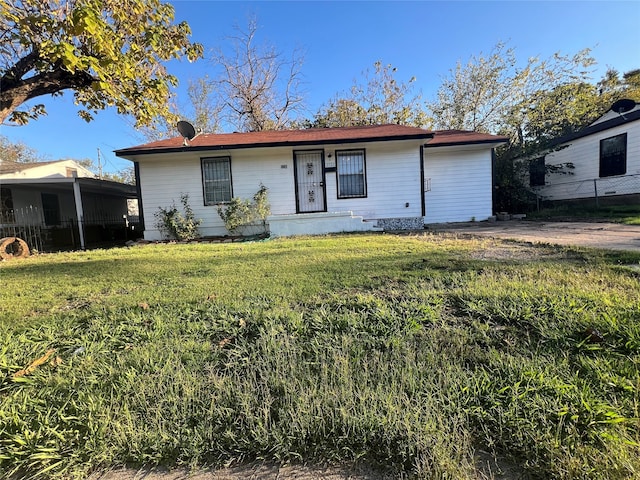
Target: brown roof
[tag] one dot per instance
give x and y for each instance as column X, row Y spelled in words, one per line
column 457, row 137
column 8, row 166
column 311, row 136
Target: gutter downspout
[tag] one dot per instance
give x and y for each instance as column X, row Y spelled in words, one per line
column 77, row 196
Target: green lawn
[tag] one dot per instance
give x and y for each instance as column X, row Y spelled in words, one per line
column 407, row 352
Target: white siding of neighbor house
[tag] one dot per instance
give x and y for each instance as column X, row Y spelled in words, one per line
column 460, row 184
column 584, row 153
column 392, row 172
column 51, row 170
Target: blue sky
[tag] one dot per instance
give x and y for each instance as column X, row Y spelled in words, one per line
column 342, row 39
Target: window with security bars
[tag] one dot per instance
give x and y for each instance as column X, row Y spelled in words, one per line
column 216, row 180
column 350, row 167
column 613, row 155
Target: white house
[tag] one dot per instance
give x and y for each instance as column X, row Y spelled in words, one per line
column 322, row 180
column 603, row 159
column 56, row 169
column 62, row 202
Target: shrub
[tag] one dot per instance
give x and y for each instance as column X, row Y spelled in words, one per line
column 242, row 212
column 174, row 224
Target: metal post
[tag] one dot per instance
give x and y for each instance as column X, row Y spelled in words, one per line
column 595, row 189
column 79, row 211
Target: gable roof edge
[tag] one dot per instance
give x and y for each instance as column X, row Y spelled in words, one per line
column 204, row 148
column 596, row 128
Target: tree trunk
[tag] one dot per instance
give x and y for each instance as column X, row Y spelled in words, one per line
column 15, row 93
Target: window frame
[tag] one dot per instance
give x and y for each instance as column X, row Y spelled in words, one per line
column 339, row 193
column 203, row 161
column 607, row 171
column 537, row 172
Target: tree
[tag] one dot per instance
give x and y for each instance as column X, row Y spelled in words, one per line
column 532, row 103
column 109, row 52
column 17, row 152
column 381, row 99
column 494, row 94
column 257, row 88
column 202, row 111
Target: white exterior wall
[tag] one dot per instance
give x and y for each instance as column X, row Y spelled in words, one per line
column 164, row 178
column 392, row 173
column 50, row 170
column 459, row 183
column 584, row 153
column 393, row 180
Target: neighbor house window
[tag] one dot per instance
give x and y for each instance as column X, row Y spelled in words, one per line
column 537, row 172
column 350, row 167
column 613, row 156
column 50, row 208
column 216, row 180
column 6, row 206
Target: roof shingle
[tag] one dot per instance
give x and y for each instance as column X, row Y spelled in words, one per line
column 311, row 136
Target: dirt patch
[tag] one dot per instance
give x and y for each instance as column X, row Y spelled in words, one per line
column 504, row 250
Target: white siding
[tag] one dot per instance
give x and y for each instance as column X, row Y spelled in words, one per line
column 584, row 153
column 460, row 184
column 393, row 180
column 165, row 178
column 50, row 170
column 392, row 168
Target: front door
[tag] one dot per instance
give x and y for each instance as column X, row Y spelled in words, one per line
column 309, row 172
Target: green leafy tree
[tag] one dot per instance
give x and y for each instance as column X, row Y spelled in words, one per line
column 531, row 102
column 492, row 93
column 380, row 99
column 109, row 52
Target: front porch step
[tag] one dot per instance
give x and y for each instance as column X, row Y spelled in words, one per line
column 318, row 224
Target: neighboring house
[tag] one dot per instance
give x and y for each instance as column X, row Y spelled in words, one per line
column 322, row 180
column 60, row 204
column 601, row 160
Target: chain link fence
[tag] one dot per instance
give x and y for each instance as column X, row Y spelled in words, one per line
column 596, row 191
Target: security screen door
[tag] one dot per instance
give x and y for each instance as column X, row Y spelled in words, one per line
column 310, row 181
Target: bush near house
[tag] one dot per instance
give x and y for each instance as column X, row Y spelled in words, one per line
column 411, row 352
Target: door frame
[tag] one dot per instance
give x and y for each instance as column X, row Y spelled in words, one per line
column 324, row 179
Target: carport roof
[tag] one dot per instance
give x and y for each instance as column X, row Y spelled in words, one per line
column 88, row 185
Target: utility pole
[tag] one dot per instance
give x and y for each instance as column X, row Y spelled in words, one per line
column 99, row 165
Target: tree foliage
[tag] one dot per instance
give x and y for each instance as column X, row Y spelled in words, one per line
column 531, row 102
column 379, row 99
column 258, row 88
column 17, row 152
column 109, row 52
column 493, row 93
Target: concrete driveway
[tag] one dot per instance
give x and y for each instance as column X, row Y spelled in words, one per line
column 612, row 236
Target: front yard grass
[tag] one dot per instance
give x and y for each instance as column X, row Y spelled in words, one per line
column 408, row 352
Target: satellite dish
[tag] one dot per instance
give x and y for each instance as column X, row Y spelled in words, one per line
column 623, row 106
column 186, row 130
